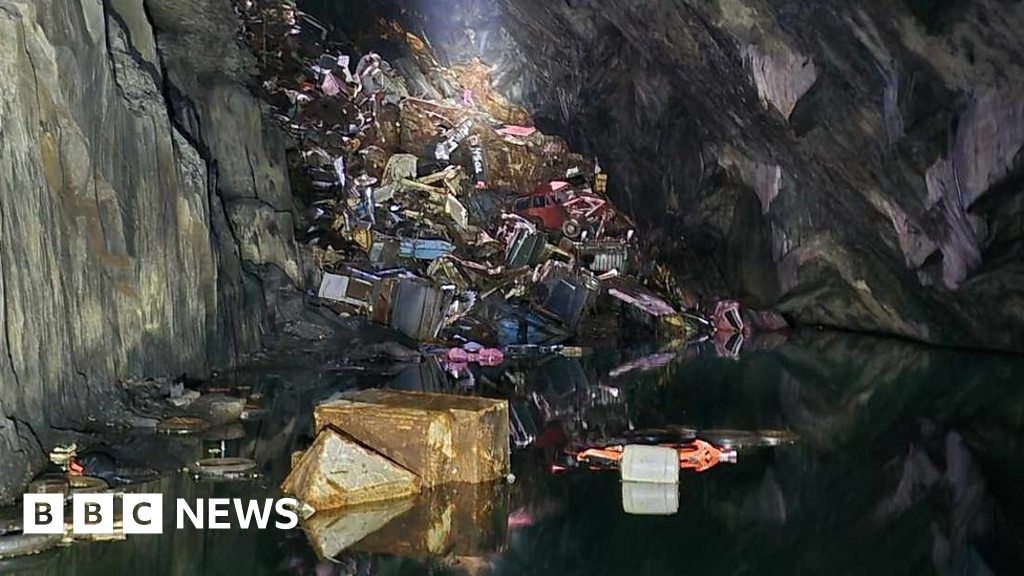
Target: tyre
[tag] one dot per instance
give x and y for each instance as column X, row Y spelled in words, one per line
column 571, row 228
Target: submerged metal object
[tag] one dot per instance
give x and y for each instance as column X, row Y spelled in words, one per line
column 778, row 437
column 182, row 425
column 49, row 485
column 86, row 485
column 440, row 437
column 223, row 467
column 645, row 308
column 734, row 439
column 338, row 471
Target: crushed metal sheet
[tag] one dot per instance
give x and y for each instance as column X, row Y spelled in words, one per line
column 337, row 471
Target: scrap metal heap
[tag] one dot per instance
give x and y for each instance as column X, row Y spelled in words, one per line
column 435, row 207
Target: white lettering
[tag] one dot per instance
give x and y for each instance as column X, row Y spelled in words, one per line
column 246, row 515
column 286, row 508
column 92, row 513
column 218, row 508
column 43, row 514
column 142, row 513
column 184, row 509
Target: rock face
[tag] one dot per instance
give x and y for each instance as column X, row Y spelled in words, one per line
column 144, row 208
column 855, row 164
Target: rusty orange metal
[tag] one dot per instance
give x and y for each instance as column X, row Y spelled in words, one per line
column 697, row 455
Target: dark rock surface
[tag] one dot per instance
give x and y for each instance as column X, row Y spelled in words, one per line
column 854, row 164
column 145, row 213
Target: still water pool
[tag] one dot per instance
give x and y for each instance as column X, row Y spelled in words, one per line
column 898, row 459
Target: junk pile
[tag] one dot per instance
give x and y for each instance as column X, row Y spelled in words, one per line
column 436, row 209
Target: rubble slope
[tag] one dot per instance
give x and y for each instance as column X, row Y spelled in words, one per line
column 855, row 164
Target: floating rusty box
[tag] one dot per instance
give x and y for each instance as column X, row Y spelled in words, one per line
column 440, row 437
column 337, row 471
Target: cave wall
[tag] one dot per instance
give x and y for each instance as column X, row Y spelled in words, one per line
column 143, row 204
column 854, row 164
column 882, row 141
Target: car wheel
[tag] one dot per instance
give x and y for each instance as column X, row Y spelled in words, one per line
column 571, row 228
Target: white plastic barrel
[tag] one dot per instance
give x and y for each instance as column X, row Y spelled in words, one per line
column 658, row 464
column 647, row 499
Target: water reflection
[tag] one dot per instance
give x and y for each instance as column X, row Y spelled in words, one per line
column 463, row 520
column 333, row 532
column 908, row 461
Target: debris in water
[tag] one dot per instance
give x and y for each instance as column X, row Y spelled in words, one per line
column 337, row 471
column 439, row 437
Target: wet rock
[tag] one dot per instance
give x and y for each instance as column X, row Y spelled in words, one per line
column 14, row 545
column 114, row 470
column 767, row 503
column 393, row 351
column 305, row 330
column 217, row 409
column 781, row 76
column 138, row 168
column 765, row 320
column 10, row 521
column 187, row 397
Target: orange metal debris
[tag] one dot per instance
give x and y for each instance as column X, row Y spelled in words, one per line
column 697, row 455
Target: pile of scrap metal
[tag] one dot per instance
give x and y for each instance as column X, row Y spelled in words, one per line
column 436, row 216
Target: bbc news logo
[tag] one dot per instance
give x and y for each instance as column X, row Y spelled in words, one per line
column 144, row 513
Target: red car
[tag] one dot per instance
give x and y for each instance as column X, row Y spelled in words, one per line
column 544, row 208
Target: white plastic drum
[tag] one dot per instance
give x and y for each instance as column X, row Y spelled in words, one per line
column 647, row 499
column 658, row 464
